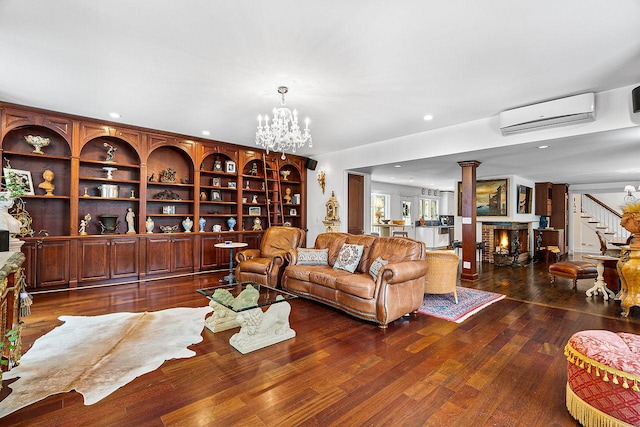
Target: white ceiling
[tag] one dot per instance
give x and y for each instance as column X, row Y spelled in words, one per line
column 362, row 70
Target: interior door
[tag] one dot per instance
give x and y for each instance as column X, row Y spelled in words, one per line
column 355, row 207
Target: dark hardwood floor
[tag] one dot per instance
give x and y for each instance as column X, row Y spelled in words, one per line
column 502, row 367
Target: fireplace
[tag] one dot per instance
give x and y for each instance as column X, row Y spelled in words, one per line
column 500, row 238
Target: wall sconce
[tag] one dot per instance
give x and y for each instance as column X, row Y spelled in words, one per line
column 629, row 198
column 321, row 180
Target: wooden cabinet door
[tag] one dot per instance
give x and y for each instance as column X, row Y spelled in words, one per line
column 93, row 260
column 182, row 254
column 158, row 251
column 124, row 257
column 53, row 263
column 209, row 258
column 29, row 250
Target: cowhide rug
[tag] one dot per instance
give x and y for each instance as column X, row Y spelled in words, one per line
column 96, row 355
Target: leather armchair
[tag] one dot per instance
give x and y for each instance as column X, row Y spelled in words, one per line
column 265, row 265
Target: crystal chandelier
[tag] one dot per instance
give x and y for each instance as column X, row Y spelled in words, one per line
column 283, row 134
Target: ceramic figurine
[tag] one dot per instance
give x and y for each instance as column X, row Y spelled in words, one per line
column 255, row 199
column 130, row 218
column 231, row 222
column 202, row 223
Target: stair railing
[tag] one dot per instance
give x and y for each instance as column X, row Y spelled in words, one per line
column 605, row 215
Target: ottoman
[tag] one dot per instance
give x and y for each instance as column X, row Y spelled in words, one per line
column 573, row 270
column 603, row 375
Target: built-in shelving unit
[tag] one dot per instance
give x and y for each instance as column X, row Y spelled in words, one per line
column 106, row 169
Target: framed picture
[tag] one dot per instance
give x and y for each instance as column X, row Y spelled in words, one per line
column 524, row 199
column 492, row 197
column 231, row 184
column 215, row 195
column 215, row 182
column 231, row 166
column 293, row 212
column 22, row 177
column 254, row 211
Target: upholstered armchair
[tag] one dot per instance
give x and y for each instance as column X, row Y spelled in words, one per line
column 442, row 273
column 265, row 265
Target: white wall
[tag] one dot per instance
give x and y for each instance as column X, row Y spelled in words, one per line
column 476, row 135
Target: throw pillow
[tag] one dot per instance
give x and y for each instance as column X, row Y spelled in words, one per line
column 349, row 257
column 376, row 266
column 313, row 256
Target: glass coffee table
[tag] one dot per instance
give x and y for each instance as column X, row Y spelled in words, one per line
column 240, row 305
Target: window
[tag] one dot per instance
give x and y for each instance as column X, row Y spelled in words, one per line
column 379, row 207
column 428, row 209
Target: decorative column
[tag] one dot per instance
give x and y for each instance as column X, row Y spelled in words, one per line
column 469, row 265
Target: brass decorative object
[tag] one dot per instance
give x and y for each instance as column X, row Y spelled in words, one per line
column 37, row 142
column 19, row 212
column 321, row 180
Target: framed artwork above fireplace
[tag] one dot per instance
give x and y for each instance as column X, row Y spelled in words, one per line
column 492, row 197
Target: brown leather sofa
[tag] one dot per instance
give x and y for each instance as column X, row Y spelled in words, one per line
column 265, row 265
column 397, row 290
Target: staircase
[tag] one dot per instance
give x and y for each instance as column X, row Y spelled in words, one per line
column 601, row 217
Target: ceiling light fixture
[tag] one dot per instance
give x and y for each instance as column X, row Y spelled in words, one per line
column 283, row 133
column 629, row 198
column 428, row 117
column 114, row 115
column 542, row 147
column 206, row 133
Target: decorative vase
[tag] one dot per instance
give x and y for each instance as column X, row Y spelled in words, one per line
column 109, row 224
column 629, row 272
column 231, row 222
column 187, row 224
column 149, row 225
column 202, row 223
column 543, row 223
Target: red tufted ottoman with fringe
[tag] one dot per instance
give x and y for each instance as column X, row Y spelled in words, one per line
column 603, row 378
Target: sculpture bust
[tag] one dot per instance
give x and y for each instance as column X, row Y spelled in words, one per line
column 47, row 184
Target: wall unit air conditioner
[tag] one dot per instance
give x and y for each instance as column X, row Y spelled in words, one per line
column 558, row 112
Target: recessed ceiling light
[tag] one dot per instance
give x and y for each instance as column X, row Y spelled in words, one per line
column 543, row 146
column 397, row 166
column 206, row 132
column 114, row 115
column 428, row 117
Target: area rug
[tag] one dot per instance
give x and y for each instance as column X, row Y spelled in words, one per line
column 470, row 301
column 96, row 355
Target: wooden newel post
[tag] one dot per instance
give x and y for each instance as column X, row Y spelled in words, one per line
column 469, row 265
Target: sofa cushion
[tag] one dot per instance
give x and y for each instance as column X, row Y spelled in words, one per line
column 376, row 265
column 397, row 249
column 313, row 256
column 367, row 242
column 358, row 284
column 349, row 257
column 331, row 241
column 326, row 276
